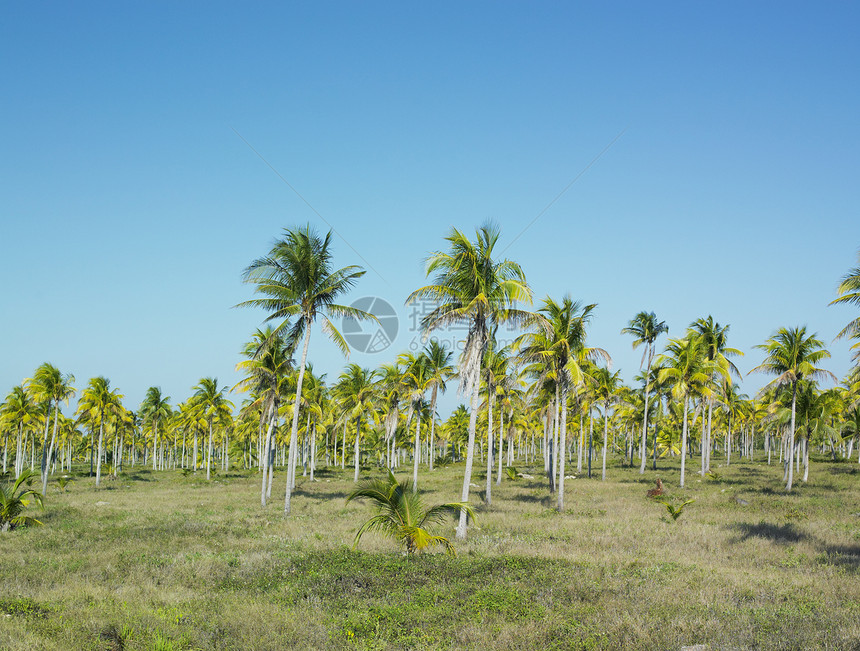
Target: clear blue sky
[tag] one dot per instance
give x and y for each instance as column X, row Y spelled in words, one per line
column 130, row 205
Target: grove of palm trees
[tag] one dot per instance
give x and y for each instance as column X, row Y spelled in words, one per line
column 161, row 524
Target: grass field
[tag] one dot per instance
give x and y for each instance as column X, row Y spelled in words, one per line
column 166, row 561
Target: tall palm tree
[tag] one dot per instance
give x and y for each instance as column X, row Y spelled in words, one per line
column 357, row 392
column 99, row 406
column 645, row 329
column 212, row 405
column 154, row 408
column 686, row 365
column 849, row 292
column 715, row 338
column 416, row 379
column 562, row 347
column 51, row 386
column 299, row 285
column 19, row 411
column 268, row 371
column 791, row 355
column 470, row 287
column 605, row 389
column 439, row 371
column 391, row 389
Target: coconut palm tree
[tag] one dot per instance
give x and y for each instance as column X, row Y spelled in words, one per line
column 390, row 388
column 14, row 499
column 714, row 337
column 154, row 408
column 645, row 329
column 439, row 371
column 268, row 373
column 51, row 386
column 99, row 406
column 19, row 412
column 792, row 355
column 686, row 365
column 605, row 389
column 471, row 288
column 403, row 514
column 416, row 380
column 849, row 292
column 299, row 286
column 356, row 390
column 562, row 347
column 212, row 406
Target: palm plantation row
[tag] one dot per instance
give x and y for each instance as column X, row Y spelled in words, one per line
column 549, row 398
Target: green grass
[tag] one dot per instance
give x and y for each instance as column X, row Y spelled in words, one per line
column 166, row 561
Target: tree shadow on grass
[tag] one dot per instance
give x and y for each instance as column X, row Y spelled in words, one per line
column 778, row 533
column 314, row 495
column 847, row 556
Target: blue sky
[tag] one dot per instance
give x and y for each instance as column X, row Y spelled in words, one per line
column 131, row 202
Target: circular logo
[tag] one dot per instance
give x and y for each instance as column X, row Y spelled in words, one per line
column 370, row 336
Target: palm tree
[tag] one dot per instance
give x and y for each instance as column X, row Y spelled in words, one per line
column 645, row 329
column 714, row 336
column 298, row 283
column 154, row 408
column 562, row 348
column 604, row 389
column 792, row 356
column 14, row 499
column 268, row 367
column 19, row 411
column 439, row 371
column 472, row 288
column 99, row 405
column 687, row 367
column 50, row 385
column 415, row 382
column 849, row 292
column 357, row 392
column 391, row 388
column 403, row 515
column 212, row 405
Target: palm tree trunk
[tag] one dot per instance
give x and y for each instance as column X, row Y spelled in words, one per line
column 209, row 449
column 433, row 425
column 488, row 498
column 590, row 439
column 563, row 435
column 645, row 417
column 605, row 436
column 295, row 425
column 684, row 439
column 416, row 453
column 501, row 443
column 99, row 460
column 357, row 436
column 155, row 442
column 50, row 450
column 470, row 456
column 264, row 454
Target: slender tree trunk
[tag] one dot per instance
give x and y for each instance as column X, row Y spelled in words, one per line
column 264, row 455
column 490, row 403
column 605, row 436
column 645, row 417
column 209, row 448
column 684, row 439
column 563, row 434
column 295, row 426
column 357, row 436
column 99, row 460
column 501, row 443
column 590, row 439
column 433, row 425
column 417, row 451
column 155, row 442
column 470, row 455
column 50, row 450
